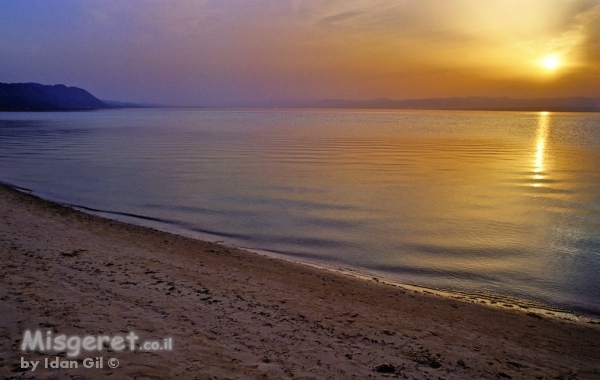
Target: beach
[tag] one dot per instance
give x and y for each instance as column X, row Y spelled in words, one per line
column 233, row 314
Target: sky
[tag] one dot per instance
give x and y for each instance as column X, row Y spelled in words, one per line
column 261, row 52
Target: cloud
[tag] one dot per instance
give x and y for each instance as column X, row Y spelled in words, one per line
column 237, row 49
column 587, row 32
column 339, row 18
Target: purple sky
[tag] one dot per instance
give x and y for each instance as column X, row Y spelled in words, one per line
column 227, row 52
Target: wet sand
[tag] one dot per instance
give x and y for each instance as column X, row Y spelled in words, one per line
column 233, row 314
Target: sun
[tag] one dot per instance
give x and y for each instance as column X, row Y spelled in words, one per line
column 550, row 62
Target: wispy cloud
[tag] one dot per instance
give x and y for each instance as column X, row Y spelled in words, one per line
column 239, row 49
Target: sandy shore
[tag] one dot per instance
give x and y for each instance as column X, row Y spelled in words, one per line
column 237, row 315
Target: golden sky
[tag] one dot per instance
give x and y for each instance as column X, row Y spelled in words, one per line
column 224, row 52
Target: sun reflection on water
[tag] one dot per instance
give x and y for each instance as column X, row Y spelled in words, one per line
column 541, row 137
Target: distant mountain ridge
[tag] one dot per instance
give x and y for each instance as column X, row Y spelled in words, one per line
column 479, row 103
column 39, row 97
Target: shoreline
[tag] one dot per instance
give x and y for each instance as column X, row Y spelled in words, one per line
column 238, row 314
column 492, row 300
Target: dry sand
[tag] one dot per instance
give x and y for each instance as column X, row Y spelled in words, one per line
column 238, row 315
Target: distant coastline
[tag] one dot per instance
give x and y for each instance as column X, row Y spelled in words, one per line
column 39, row 97
column 117, row 104
column 471, row 103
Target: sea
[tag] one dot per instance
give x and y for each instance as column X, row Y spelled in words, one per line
column 503, row 206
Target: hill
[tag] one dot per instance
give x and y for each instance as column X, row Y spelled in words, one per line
column 38, row 97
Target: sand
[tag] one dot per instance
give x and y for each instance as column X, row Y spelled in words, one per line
column 233, row 314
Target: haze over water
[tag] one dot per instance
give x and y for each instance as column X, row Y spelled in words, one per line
column 478, row 202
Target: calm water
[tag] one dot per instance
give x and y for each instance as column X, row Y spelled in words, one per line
column 483, row 203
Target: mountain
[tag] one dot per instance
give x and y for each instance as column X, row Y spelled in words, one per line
column 38, row 97
column 572, row 104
